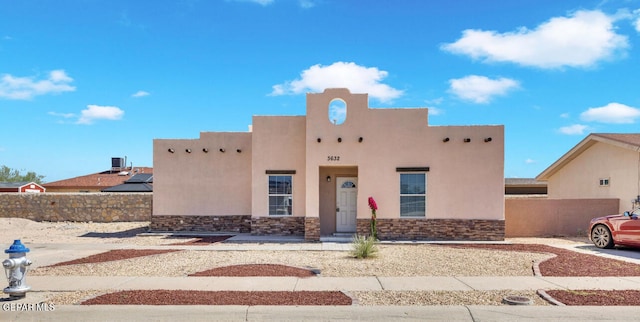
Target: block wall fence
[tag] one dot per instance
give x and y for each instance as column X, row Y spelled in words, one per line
column 524, row 217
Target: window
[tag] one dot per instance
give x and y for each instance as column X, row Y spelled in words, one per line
column 280, row 196
column 604, row 182
column 413, row 194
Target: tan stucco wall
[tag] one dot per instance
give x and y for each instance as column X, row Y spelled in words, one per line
column 543, row 217
column 580, row 178
column 278, row 144
column 199, row 183
column 465, row 181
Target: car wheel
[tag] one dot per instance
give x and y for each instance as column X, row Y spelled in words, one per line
column 601, row 236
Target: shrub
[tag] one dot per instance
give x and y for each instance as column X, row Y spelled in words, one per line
column 363, row 247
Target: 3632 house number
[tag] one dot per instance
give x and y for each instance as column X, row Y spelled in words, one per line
column 333, row 158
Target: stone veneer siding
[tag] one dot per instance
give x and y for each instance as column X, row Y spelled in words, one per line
column 277, row 226
column 435, row 229
column 237, row 224
column 312, row 228
column 81, row 207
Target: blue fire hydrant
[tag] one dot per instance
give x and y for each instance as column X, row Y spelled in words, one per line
column 16, row 270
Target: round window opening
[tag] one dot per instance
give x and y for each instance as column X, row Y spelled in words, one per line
column 337, row 111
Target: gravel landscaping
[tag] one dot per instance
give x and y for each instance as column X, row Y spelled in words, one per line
column 392, row 260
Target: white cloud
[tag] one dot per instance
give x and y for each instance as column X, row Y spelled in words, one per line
column 611, row 113
column 636, row 23
column 565, row 115
column 579, row 40
column 306, row 4
column 481, row 89
column 260, row 2
column 435, row 111
column 96, row 112
column 358, row 79
column 140, row 94
column 530, row 161
column 576, row 129
column 24, row 88
column 62, row 115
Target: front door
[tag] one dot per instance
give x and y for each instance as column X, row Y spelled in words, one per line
column 346, row 200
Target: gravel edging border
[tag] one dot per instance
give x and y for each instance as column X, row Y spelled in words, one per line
column 536, row 272
column 549, row 298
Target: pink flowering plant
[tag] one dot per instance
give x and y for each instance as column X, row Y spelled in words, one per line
column 374, row 207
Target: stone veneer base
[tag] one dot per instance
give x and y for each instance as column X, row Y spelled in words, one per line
column 435, row 229
column 238, row 223
column 281, row 226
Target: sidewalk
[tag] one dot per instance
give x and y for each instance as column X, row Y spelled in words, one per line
column 328, row 313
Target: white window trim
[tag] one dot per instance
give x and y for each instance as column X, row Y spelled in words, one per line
column 279, row 195
column 604, row 182
column 413, row 195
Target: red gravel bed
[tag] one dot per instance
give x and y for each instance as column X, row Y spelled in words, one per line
column 567, row 262
column 207, row 240
column 256, row 270
column 114, row 255
column 596, row 297
column 178, row 297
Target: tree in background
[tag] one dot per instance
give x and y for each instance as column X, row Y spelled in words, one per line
column 13, row 175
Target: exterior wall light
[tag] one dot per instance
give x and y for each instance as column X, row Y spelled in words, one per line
column 445, row 140
column 222, row 150
column 328, row 178
column 339, row 139
column 319, row 140
column 467, row 140
column 487, row 139
column 171, row 150
column 360, row 139
column 187, row 150
column 238, row 150
column 205, row 150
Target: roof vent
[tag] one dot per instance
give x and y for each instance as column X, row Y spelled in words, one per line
column 123, row 173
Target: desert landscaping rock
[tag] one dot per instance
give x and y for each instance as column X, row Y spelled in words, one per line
column 179, row 297
column 257, row 270
column 596, row 297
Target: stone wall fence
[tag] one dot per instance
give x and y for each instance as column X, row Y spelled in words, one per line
column 82, row 207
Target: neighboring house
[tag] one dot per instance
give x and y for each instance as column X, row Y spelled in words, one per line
column 312, row 176
column 21, row 187
column 524, row 186
column 142, row 182
column 603, row 165
column 96, row 182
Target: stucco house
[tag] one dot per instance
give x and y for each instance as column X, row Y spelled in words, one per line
column 602, row 165
column 310, row 175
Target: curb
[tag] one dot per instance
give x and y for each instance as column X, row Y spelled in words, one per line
column 549, row 299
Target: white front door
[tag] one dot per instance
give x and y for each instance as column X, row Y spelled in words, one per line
column 346, row 200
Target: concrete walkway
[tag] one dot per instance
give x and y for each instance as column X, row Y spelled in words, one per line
column 45, row 254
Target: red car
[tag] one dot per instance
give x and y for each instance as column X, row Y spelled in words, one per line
column 608, row 231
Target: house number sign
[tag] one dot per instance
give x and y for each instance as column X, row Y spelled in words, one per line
column 333, row 158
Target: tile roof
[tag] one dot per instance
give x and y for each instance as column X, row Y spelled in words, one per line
column 98, row 180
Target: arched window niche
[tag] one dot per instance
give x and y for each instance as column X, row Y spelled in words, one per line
column 337, row 111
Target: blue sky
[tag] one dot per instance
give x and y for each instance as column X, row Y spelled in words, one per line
column 86, row 80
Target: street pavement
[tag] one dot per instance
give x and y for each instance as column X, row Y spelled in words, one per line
column 34, row 307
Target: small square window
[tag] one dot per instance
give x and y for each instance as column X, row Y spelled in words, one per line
column 604, row 182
